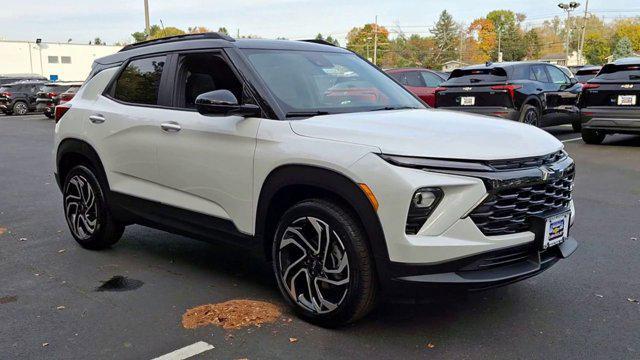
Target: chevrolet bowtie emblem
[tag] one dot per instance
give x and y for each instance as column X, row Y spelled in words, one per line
column 627, row 86
column 469, row 88
column 546, row 172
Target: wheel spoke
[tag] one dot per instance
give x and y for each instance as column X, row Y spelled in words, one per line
column 313, row 265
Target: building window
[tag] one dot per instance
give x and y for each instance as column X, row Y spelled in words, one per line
column 65, row 59
column 53, row 59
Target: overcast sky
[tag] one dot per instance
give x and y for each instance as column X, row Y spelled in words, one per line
column 115, row 20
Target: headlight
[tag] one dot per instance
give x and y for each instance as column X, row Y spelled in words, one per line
column 423, row 202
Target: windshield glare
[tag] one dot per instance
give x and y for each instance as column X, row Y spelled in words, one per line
column 308, row 81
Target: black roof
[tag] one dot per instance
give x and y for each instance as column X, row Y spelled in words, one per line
column 209, row 40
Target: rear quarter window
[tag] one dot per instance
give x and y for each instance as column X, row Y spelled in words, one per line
column 139, row 82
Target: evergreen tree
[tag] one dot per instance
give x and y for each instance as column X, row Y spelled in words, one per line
column 623, row 49
column 445, row 33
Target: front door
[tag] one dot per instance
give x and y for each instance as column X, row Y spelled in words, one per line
column 205, row 163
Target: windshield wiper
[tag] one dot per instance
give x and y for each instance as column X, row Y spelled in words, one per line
column 394, row 108
column 292, row 114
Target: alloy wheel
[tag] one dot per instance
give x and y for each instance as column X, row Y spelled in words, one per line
column 81, row 207
column 313, row 265
column 20, row 108
column 531, row 117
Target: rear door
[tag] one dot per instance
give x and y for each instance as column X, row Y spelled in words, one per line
column 475, row 87
column 125, row 124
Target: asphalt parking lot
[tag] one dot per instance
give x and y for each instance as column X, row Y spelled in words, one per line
column 585, row 307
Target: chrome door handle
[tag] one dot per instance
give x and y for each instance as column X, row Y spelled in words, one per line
column 171, row 127
column 97, row 119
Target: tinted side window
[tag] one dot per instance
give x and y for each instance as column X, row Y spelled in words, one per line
column 557, row 76
column 140, row 81
column 414, row 79
column 430, row 80
column 540, row 74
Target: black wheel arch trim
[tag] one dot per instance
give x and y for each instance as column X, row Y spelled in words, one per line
column 330, row 181
column 79, row 148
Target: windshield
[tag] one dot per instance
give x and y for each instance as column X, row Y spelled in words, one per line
column 309, row 82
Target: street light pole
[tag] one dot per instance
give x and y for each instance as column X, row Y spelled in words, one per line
column 568, row 8
column 147, row 25
column 375, row 43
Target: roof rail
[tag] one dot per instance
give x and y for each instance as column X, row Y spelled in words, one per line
column 209, row 35
column 318, row 41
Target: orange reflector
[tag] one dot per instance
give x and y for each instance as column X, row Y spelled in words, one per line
column 372, row 198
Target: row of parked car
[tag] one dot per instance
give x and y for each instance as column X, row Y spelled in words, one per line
column 20, row 95
column 595, row 100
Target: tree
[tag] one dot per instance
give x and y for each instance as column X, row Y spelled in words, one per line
column 511, row 39
column 630, row 29
column 198, row 30
column 596, row 48
column 445, row 33
column 328, row 39
column 361, row 40
column 223, row 30
column 166, row 32
column 623, row 48
column 98, row 41
column 532, row 44
column 483, row 33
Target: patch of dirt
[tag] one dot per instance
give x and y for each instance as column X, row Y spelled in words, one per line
column 233, row 314
column 8, row 299
column 2, row 230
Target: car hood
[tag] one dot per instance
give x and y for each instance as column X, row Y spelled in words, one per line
column 432, row 133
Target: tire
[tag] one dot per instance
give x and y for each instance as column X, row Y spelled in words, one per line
column 576, row 124
column 49, row 115
column 593, row 136
column 20, row 108
column 347, row 264
column 530, row 115
column 95, row 228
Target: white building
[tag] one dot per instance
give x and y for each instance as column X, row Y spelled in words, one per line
column 69, row 62
column 451, row 65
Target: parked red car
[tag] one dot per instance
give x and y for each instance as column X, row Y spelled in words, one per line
column 421, row 82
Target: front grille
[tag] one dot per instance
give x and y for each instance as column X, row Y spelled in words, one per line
column 522, row 163
column 507, row 211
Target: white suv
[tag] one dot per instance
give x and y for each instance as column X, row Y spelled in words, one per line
column 348, row 183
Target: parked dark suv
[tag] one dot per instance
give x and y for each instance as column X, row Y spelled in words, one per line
column 538, row 94
column 19, row 98
column 50, row 95
column 12, row 78
column 609, row 102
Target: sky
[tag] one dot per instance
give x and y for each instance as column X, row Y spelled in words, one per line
column 115, row 20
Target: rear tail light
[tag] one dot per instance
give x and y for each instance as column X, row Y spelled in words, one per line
column 65, row 97
column 51, row 95
column 61, row 110
column 510, row 88
column 590, row 86
column 436, row 91
column 6, row 94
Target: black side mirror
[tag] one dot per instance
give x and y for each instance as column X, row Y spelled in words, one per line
column 573, row 81
column 223, row 102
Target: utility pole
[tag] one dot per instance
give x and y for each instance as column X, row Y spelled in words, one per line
column 500, row 43
column 375, row 43
column 147, row 25
column 584, row 30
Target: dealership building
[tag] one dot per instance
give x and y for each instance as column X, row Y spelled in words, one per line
column 56, row 61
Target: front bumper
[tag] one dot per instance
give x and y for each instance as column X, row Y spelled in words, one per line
column 611, row 119
column 495, row 111
column 479, row 272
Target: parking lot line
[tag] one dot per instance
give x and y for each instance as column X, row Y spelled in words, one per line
column 187, row 351
column 569, row 140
